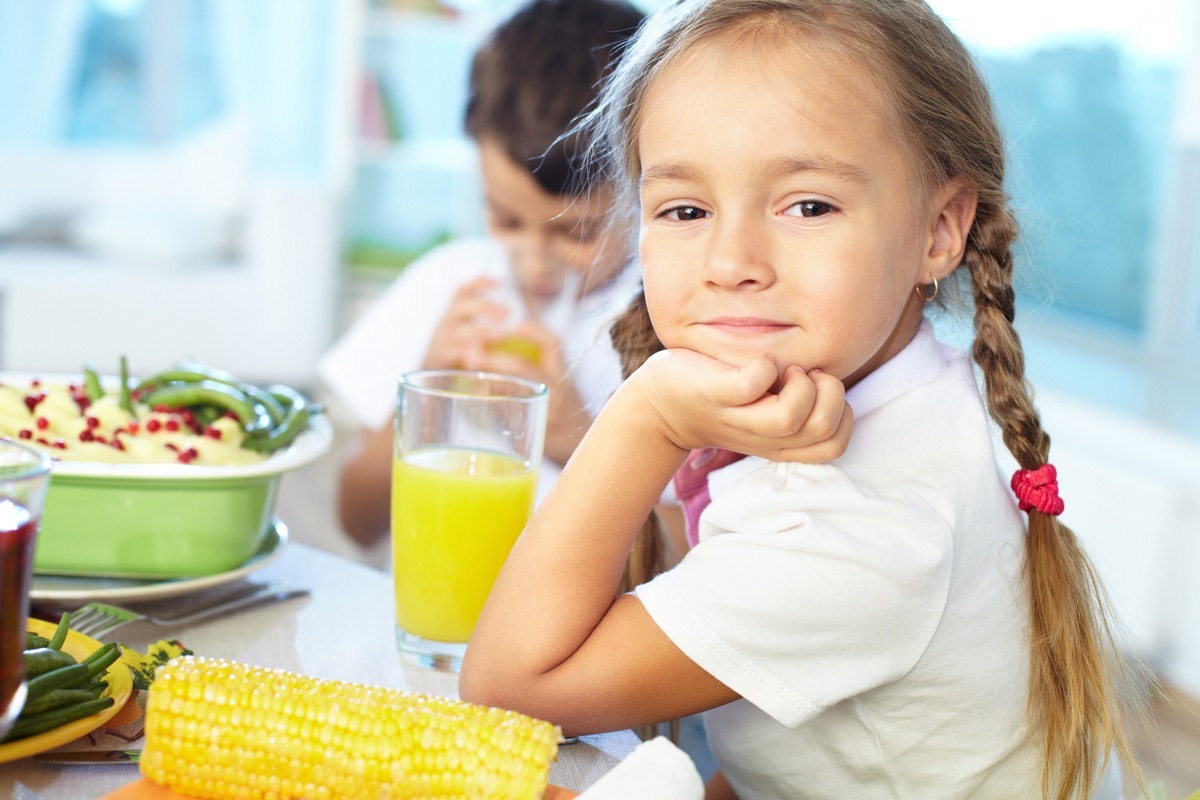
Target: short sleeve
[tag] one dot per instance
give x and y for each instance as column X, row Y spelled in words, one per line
column 806, row 588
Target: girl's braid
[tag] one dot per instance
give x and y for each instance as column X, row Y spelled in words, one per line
column 997, row 348
column 1072, row 649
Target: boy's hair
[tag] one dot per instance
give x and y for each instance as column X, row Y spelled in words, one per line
column 536, row 73
column 945, row 117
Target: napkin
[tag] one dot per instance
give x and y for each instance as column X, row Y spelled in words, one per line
column 655, row 770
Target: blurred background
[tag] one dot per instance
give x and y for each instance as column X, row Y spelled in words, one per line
column 232, row 181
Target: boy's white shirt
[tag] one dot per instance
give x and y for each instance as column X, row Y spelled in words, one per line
column 393, row 334
column 870, row 611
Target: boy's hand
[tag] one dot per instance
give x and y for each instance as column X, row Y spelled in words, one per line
column 703, row 402
column 471, row 322
column 537, row 356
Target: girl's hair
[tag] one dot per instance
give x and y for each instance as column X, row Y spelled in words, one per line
column 944, row 115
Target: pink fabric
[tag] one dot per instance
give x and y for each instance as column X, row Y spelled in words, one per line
column 691, row 485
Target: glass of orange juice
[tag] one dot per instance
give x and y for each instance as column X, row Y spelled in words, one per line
column 468, row 446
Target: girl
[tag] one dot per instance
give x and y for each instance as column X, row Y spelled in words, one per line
column 810, row 175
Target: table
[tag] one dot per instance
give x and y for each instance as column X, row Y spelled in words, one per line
column 343, row 630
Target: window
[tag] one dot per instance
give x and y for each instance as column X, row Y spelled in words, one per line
column 1104, row 171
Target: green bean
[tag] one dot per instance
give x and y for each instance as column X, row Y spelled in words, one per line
column 61, row 678
column 40, row 660
column 126, row 394
column 55, row 717
column 102, row 659
column 91, row 383
column 295, row 421
column 267, row 400
column 57, row 698
column 33, row 641
column 187, row 372
column 211, row 393
column 60, row 633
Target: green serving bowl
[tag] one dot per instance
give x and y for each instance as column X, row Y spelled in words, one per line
column 164, row 520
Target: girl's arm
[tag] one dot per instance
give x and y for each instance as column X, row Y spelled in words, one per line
column 555, row 640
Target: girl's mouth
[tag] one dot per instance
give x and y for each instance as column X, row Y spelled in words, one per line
column 747, row 325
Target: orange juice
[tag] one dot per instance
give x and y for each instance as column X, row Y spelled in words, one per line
column 455, row 516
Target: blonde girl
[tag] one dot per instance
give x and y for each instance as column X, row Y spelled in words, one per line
column 808, row 176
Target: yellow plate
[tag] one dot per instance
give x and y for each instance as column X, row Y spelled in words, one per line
column 120, row 686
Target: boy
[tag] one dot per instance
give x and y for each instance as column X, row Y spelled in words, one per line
column 564, row 275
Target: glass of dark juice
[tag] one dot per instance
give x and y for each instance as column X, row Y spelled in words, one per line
column 24, row 478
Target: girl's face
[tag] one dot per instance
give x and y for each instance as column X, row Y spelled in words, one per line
column 778, row 211
column 546, row 235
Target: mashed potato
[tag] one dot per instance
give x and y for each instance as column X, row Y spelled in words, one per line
column 59, row 419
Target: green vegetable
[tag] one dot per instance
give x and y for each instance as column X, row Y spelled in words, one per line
column 60, row 633
column 267, row 400
column 57, row 698
column 294, row 422
column 61, row 678
column 190, row 372
column 59, row 689
column 102, row 659
column 126, row 395
column 181, row 394
column 41, row 660
column 91, row 384
column 49, row 720
column 33, row 641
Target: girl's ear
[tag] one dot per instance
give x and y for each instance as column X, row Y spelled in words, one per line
column 954, row 213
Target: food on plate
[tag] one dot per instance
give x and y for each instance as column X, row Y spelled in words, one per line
column 221, row 729
column 188, row 414
column 60, row 689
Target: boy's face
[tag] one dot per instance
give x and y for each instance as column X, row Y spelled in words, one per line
column 545, row 234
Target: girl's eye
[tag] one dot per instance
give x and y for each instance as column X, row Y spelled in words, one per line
column 808, row 208
column 684, row 213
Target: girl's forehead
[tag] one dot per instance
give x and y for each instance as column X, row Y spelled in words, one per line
column 783, row 66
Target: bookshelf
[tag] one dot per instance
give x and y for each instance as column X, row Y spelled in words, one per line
column 415, row 181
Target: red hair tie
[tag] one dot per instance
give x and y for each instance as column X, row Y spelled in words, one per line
column 1038, row 488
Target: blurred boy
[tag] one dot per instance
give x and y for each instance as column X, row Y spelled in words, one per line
column 563, row 275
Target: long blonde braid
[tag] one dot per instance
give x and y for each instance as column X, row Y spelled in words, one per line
column 1074, row 656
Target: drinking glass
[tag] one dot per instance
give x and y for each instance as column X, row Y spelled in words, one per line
column 24, row 476
column 468, row 446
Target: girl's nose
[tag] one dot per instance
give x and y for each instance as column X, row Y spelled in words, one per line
column 738, row 255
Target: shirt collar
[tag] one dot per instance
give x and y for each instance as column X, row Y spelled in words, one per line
column 921, row 361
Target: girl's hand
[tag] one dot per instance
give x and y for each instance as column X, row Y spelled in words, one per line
column 703, row 402
column 471, row 322
column 567, row 418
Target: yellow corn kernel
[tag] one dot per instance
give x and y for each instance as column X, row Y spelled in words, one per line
column 222, row 730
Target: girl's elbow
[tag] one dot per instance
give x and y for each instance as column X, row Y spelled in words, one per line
column 482, row 686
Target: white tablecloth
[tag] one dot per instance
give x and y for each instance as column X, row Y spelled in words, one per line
column 343, row 630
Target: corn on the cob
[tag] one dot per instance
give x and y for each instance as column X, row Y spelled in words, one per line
column 220, row 730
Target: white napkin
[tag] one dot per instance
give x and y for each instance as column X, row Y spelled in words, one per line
column 655, row 770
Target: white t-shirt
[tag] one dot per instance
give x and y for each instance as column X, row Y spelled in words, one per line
column 392, row 336
column 869, row 611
